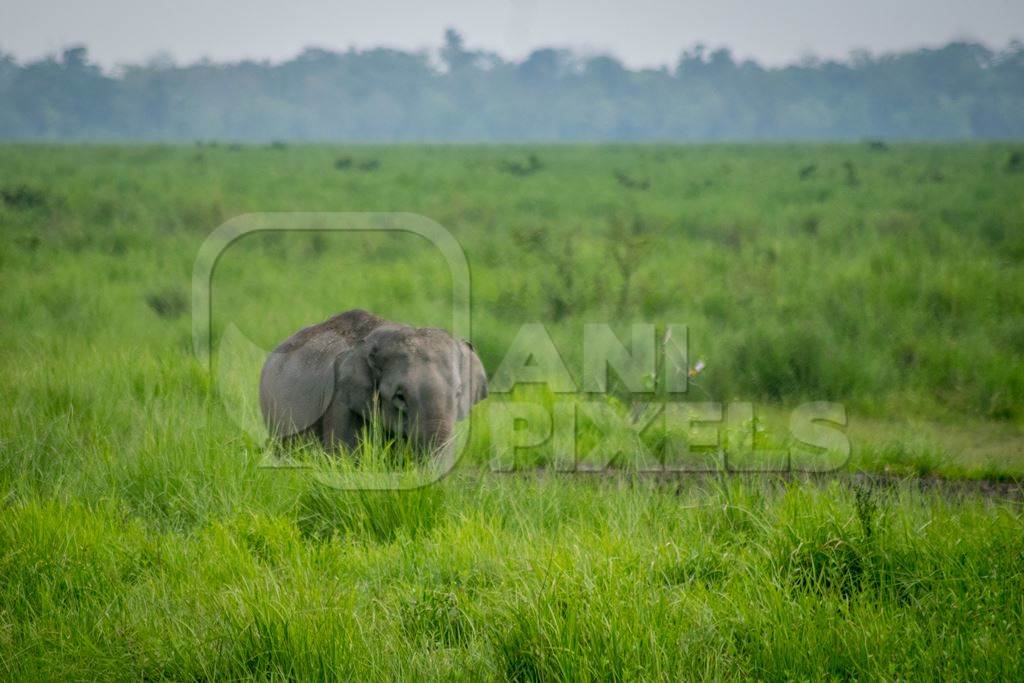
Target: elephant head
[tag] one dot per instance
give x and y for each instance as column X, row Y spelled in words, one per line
column 334, row 377
column 419, row 381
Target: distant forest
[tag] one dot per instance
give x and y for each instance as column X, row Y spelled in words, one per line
column 960, row 91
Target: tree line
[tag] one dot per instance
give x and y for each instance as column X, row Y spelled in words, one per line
column 960, row 91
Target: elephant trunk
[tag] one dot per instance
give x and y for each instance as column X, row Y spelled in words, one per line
column 431, row 429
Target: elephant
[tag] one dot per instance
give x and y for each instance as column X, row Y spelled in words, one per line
column 331, row 378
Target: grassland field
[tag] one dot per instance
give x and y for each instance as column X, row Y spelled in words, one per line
column 141, row 537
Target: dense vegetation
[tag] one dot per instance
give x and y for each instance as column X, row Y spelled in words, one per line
column 506, row 580
column 960, row 91
column 141, row 538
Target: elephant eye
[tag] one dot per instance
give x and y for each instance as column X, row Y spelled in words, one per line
column 398, row 399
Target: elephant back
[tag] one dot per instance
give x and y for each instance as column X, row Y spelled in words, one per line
column 297, row 380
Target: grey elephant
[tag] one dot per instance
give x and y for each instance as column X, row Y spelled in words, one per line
column 329, row 378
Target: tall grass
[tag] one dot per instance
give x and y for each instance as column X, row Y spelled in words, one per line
column 519, row 579
column 143, row 536
column 898, row 294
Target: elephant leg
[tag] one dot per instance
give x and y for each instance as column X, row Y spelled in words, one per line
column 340, row 426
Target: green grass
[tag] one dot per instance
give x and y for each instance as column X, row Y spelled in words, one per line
column 520, row 579
column 142, row 537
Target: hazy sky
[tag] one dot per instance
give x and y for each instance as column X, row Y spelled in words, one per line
column 639, row 32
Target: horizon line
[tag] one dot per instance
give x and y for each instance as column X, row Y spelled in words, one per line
column 164, row 59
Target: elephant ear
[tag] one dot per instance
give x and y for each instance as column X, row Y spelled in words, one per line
column 473, row 379
column 297, row 381
column 355, row 378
